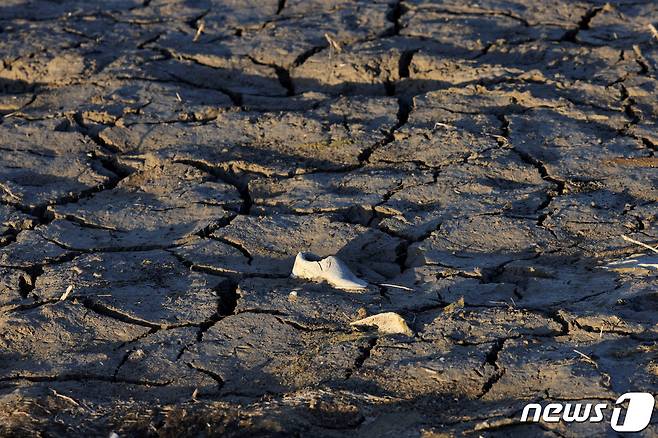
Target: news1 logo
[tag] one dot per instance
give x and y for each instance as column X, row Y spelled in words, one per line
column 637, row 418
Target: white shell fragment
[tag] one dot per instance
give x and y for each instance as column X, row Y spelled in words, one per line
column 645, row 263
column 387, row 323
column 330, row 269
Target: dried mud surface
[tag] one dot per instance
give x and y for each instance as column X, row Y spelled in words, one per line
column 162, row 161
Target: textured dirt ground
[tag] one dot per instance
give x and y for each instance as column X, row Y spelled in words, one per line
column 162, row 161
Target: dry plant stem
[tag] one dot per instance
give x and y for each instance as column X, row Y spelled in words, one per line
column 637, row 242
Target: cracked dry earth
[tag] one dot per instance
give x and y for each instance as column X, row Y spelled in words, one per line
column 162, row 162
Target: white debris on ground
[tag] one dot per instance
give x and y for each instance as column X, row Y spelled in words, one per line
column 330, row 269
column 634, row 264
column 637, row 263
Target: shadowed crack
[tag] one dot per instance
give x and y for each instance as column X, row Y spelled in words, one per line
column 282, row 74
column 492, row 360
column 280, row 6
column 216, row 377
column 583, row 23
column 362, row 357
column 227, row 291
column 491, row 12
column 559, row 317
column 24, row 307
column 236, row 98
column 396, row 11
column 405, row 61
column 227, row 301
column 283, row 319
column 219, row 271
column 628, row 103
column 26, row 284
column 82, row 222
column 43, row 212
column 136, row 248
column 404, row 109
column 92, row 134
column 560, row 186
column 123, row 361
column 104, row 310
column 302, row 57
column 236, row 245
column 81, row 378
column 227, row 176
column 45, row 216
column 211, row 228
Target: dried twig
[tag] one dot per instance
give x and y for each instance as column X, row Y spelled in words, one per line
column 637, row 242
column 395, row 286
column 64, row 397
column 66, row 293
column 443, row 125
column 587, row 358
column 199, row 31
column 333, row 44
column 653, row 30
